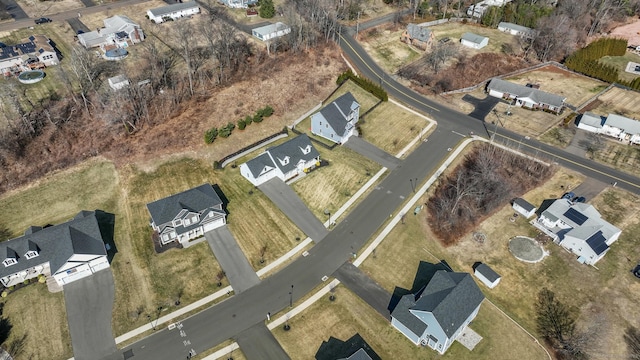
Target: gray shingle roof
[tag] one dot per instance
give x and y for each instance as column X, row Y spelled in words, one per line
column 420, row 33
column 293, row 149
column 592, row 119
column 487, row 272
column 271, row 28
column 451, row 297
column 474, row 38
column 630, row 126
column 337, row 111
column 516, row 27
column 196, row 200
column 55, row 244
column 523, row 91
column 524, row 204
column 258, row 164
column 401, row 313
column 167, row 10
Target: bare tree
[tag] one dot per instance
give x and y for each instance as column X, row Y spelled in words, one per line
column 632, row 338
column 555, row 37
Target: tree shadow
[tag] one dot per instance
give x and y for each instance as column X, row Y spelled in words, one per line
column 424, row 274
column 5, row 326
column 225, row 200
column 106, row 223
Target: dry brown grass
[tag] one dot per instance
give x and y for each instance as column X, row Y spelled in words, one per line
column 619, row 101
column 348, row 315
column 454, row 31
column 331, row 186
column 36, row 8
column 384, row 46
column 135, row 12
column 391, row 127
column 364, row 98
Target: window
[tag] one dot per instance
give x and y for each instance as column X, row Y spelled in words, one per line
column 172, row 234
column 187, row 222
column 306, row 149
column 9, row 261
column 326, row 125
column 284, row 161
column 31, row 254
column 320, row 123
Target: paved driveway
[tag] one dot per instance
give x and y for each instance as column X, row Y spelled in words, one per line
column 291, row 205
column 258, row 343
column 14, row 9
column 482, row 107
column 232, row 260
column 372, row 152
column 89, row 303
column 365, row 287
column 76, row 25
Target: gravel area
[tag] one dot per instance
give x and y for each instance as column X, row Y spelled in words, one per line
column 526, row 249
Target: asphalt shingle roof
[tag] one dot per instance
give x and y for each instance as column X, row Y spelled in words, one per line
column 258, row 164
column 420, row 33
column 402, row 314
column 512, row 26
column 474, row 38
column 55, row 244
column 337, row 111
column 524, row 204
column 522, row 91
column 169, row 9
column 487, row 272
column 293, row 149
column 592, row 119
column 197, row 199
column 630, row 126
column 451, row 297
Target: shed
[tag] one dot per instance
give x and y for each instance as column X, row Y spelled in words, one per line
column 486, row 274
column 474, row 40
column 271, row 31
column 523, row 207
column 118, row 82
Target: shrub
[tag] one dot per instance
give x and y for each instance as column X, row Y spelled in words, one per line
column 248, row 120
column 42, row 279
column 226, row 130
column 257, row 118
column 366, row 84
column 210, row 135
column 4, row 294
column 26, row 281
column 267, row 111
column 241, row 124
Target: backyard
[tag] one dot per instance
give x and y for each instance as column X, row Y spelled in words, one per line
column 620, row 63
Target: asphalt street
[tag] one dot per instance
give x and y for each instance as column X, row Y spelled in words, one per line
column 291, row 205
column 89, row 303
column 372, row 152
column 238, row 271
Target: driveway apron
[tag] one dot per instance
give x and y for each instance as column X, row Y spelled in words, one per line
column 365, row 287
column 258, row 343
column 372, row 153
column 89, row 303
column 232, row 260
column 292, row 206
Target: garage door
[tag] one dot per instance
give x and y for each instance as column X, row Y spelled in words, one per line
column 213, row 225
column 76, row 276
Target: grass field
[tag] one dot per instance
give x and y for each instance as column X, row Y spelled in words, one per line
column 331, row 186
column 619, row 101
column 364, row 98
column 391, row 127
column 454, row 31
column 620, row 63
column 576, row 285
column 387, row 50
column 619, row 155
column 348, row 315
column 35, row 8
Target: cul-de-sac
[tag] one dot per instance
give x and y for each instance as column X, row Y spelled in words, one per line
column 319, row 179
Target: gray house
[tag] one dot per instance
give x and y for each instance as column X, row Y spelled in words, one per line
column 474, row 40
column 67, row 252
column 525, row 96
column 285, row 161
column 515, row 29
column 437, row 315
column 337, row 121
column 185, row 217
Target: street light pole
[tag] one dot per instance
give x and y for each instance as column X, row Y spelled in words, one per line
column 291, row 297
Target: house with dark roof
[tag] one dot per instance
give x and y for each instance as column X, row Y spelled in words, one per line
column 35, row 52
column 173, row 11
column 285, row 161
column 186, row 216
column 525, row 96
column 523, row 207
column 337, row 121
column 486, row 275
column 579, row 228
column 118, row 31
column 436, row 315
column 418, row 36
column 67, row 252
column 474, row 41
column 355, row 348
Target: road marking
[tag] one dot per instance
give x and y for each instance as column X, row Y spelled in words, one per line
column 172, row 326
column 325, row 278
column 457, row 133
column 574, row 163
column 305, row 254
column 382, row 78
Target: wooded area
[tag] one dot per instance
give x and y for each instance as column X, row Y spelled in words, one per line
column 488, row 178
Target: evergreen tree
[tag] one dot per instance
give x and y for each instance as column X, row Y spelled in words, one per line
column 267, row 9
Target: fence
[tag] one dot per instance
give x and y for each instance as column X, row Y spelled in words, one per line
column 443, row 21
column 247, row 149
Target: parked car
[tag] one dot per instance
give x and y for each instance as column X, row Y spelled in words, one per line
column 42, row 20
column 636, row 271
column 569, row 195
column 80, row 32
column 580, row 199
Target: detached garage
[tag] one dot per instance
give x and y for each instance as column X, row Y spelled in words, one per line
column 474, row 41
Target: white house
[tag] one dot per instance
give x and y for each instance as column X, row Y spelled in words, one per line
column 515, row 29
column 336, row 122
column 185, row 217
column 591, row 122
column 525, row 96
column 285, row 161
column 238, row 4
column 477, row 9
column 173, row 11
column 67, row 252
column 118, row 82
column 271, row 31
column 474, row 41
column 578, row 228
column 523, row 207
column 437, row 315
column 34, row 52
column 486, row 275
column 118, row 30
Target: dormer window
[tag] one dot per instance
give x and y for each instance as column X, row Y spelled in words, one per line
column 9, row 261
column 12, row 257
column 31, row 254
column 306, row 149
column 284, row 161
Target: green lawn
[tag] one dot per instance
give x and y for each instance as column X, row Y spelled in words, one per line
column 620, row 63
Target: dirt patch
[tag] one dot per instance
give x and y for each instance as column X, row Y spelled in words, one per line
column 36, row 8
column 630, row 32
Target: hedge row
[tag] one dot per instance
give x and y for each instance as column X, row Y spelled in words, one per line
column 366, row 84
column 225, row 131
column 585, row 60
